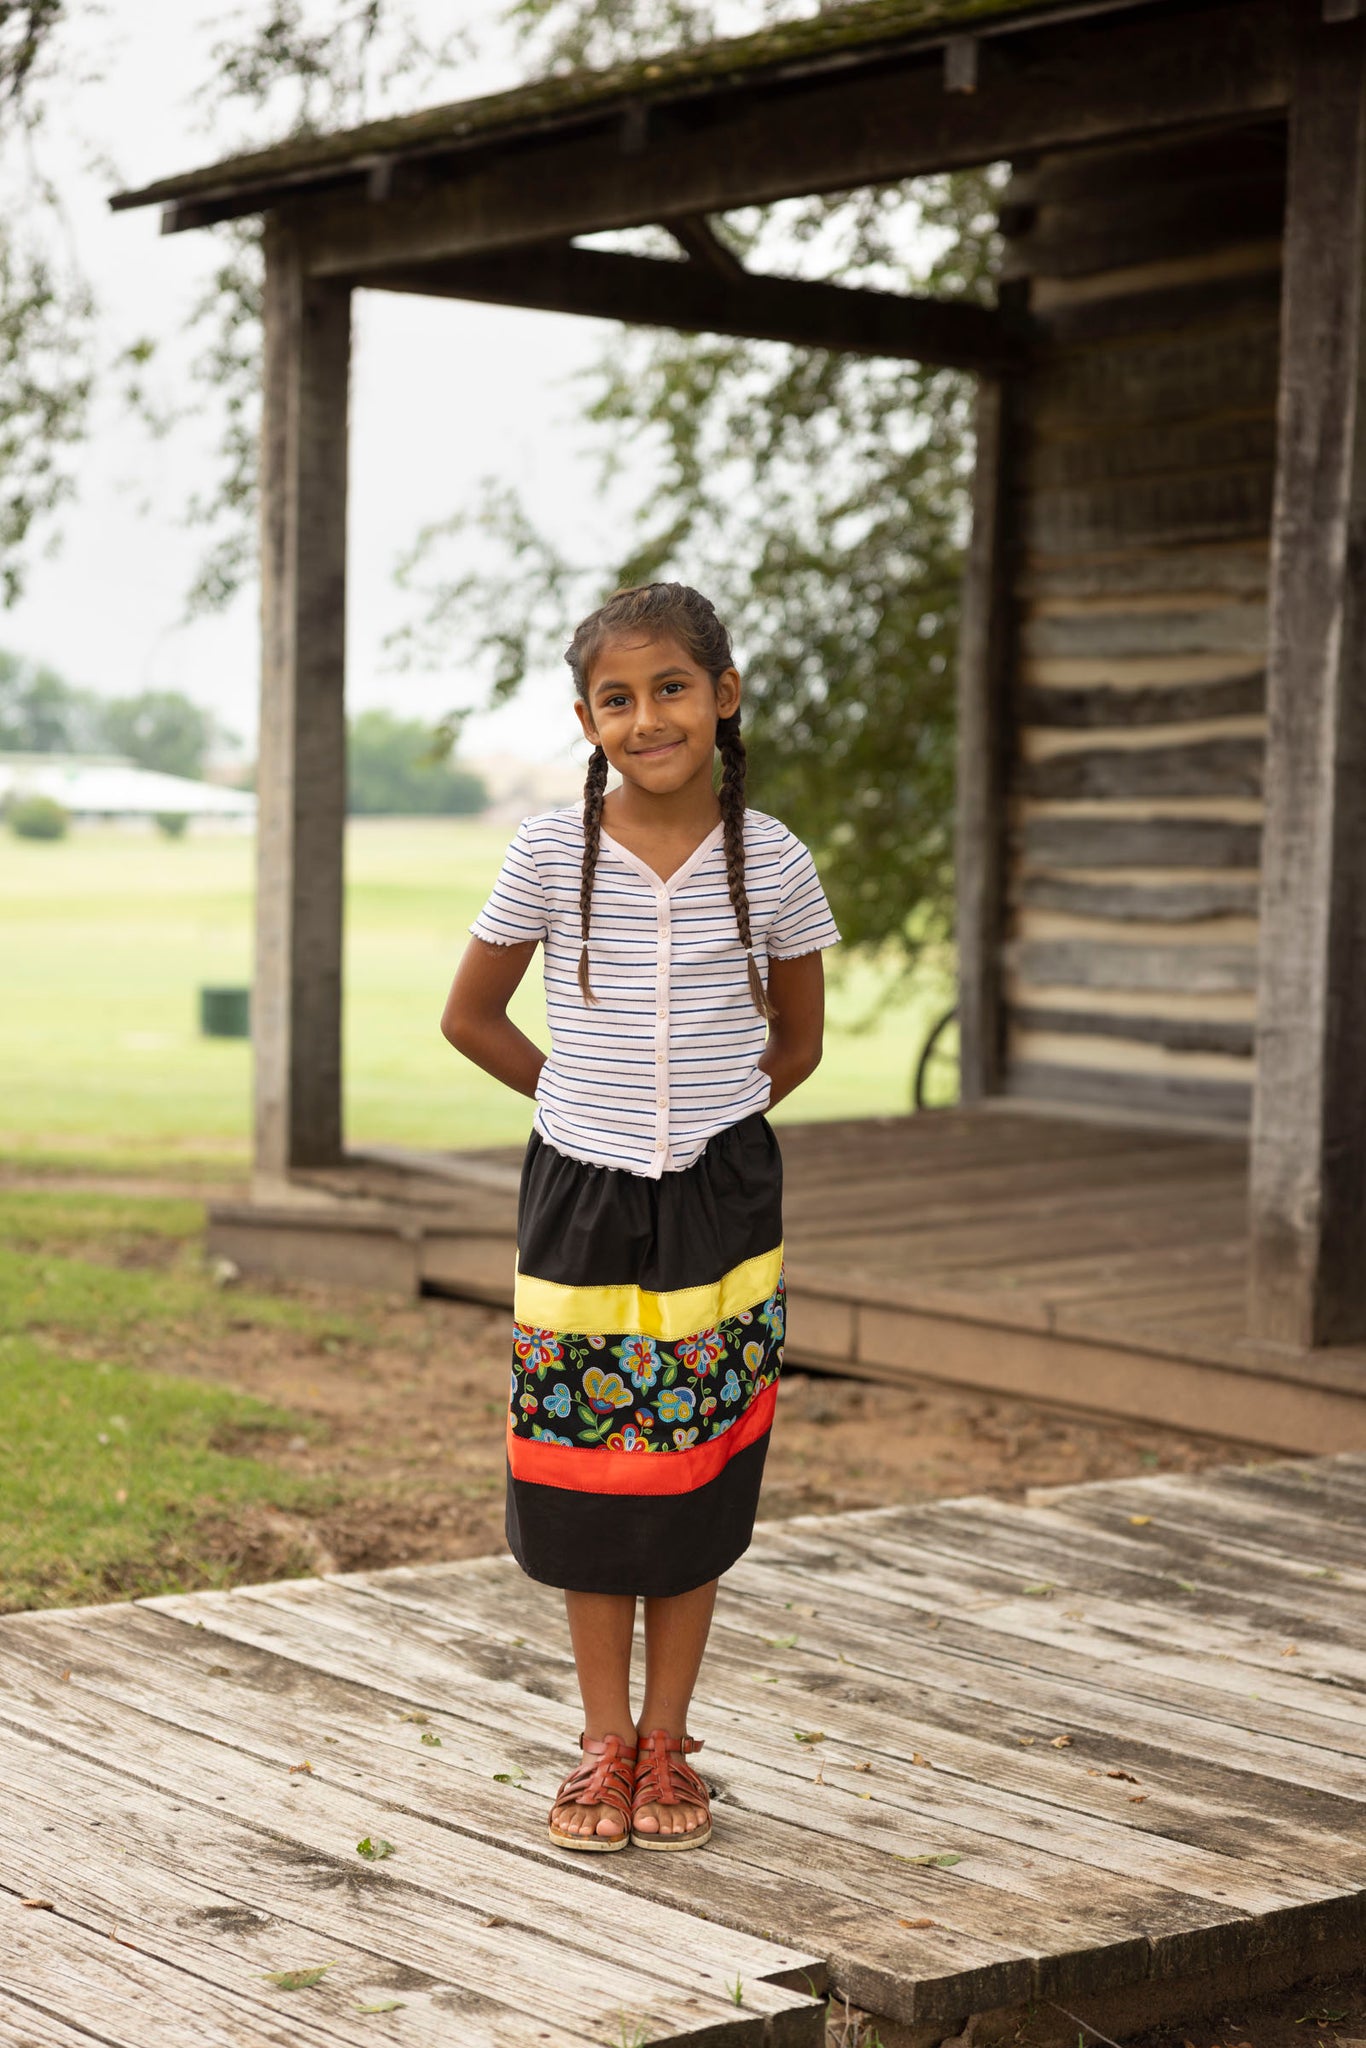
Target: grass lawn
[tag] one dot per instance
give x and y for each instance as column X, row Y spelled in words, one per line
column 108, row 935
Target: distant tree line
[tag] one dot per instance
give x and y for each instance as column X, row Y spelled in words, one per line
column 393, row 768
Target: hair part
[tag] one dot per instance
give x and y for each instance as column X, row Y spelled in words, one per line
column 676, row 612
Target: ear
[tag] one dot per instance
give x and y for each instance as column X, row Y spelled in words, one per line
column 590, row 731
column 727, row 692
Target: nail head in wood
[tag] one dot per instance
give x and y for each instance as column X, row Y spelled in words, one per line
column 960, row 64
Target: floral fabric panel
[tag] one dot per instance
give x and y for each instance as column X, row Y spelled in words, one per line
column 633, row 1393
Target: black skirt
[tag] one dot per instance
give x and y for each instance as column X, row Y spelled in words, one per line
column 646, row 1351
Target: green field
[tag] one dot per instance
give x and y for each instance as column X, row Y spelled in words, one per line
column 107, row 936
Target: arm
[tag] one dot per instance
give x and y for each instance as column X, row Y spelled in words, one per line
column 475, row 1018
column 796, row 990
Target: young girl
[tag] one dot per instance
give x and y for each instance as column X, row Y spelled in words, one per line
column 685, row 996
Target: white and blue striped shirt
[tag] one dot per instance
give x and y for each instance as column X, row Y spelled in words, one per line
column 668, row 1055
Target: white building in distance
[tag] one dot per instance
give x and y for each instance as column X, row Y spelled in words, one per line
column 106, row 788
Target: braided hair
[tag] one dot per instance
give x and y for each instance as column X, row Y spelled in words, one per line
column 675, row 611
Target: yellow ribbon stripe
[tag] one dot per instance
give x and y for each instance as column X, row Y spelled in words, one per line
column 635, row 1311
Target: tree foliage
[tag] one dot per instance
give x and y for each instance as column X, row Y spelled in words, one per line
column 42, row 713
column 392, row 771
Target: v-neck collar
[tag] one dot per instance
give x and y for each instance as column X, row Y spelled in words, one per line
column 680, row 874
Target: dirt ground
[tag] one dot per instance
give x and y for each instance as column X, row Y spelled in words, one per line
column 410, row 1423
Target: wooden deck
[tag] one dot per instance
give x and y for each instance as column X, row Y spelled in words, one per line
column 1103, row 1757
column 1097, row 1264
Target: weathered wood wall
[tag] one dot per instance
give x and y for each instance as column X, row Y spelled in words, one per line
column 1140, row 518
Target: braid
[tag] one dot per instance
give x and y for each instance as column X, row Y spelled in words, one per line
column 594, row 783
column 731, row 796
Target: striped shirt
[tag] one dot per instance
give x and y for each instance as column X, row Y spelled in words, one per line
column 668, row 1055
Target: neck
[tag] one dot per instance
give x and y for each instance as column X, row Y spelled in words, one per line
column 691, row 809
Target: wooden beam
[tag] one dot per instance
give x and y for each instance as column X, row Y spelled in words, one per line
column 302, row 775
column 980, row 820
column 697, row 238
column 653, row 292
column 1308, row 1181
column 1054, row 87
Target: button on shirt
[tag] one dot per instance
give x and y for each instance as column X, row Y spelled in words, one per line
column 668, row 1055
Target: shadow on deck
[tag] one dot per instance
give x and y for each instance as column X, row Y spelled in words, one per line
column 1098, row 1265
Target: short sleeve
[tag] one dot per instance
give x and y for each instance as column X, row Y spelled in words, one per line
column 516, row 912
column 802, row 923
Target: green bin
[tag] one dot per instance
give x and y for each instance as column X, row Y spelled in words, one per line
column 225, row 1012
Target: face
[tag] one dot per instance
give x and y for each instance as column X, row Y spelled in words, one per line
column 654, row 711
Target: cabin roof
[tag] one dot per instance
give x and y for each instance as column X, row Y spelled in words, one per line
column 785, row 52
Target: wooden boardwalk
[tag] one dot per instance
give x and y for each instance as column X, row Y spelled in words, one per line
column 1103, row 1756
column 1098, row 1264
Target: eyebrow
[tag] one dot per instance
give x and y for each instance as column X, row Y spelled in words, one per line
column 661, row 675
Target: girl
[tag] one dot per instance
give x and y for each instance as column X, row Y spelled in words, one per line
column 685, row 996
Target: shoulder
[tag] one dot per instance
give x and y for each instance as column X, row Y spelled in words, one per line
column 552, row 831
column 769, row 839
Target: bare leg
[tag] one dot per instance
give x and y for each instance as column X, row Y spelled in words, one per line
column 601, row 1626
column 675, row 1637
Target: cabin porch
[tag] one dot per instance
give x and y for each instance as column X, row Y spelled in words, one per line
column 1095, row 1263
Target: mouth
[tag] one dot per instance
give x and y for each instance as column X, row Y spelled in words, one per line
column 654, row 753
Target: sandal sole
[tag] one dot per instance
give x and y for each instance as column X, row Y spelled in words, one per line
column 595, row 1845
column 698, row 1839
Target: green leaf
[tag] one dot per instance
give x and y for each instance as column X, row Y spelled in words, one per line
column 781, row 1642
column 373, row 1847
column 809, row 1734
column 1040, row 1589
column 945, row 1861
column 383, row 2005
column 510, row 1777
column 298, row 1980
column 432, row 1741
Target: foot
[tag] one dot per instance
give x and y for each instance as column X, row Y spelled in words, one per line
column 593, row 1806
column 671, row 1807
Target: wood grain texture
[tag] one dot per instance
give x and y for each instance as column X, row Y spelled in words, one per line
column 296, row 1007
column 1083, row 1704
column 1308, row 1189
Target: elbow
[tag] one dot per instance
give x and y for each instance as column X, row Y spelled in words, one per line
column 455, row 1027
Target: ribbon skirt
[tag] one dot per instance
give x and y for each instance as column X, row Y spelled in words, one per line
column 647, row 1345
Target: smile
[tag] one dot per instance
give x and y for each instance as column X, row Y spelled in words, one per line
column 646, row 753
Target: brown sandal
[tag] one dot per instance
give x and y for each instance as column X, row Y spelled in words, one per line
column 662, row 1781
column 602, row 1779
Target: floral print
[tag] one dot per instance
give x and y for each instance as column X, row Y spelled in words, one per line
column 662, row 1397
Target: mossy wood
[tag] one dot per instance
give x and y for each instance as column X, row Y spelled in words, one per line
column 1149, row 686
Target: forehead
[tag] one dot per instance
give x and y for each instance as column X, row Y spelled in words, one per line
column 638, row 654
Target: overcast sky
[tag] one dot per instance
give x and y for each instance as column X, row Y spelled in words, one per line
column 443, row 394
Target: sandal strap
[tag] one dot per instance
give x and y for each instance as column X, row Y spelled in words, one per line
column 662, row 1778
column 603, row 1778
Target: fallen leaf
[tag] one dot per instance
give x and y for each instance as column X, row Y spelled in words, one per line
column 863, row 1795
column 297, row 1980
column 306, row 1767
column 917, row 1923
column 512, row 1777
column 39, row 1905
column 332, row 1739
column 1073, row 1614
column 781, row 1642
column 923, row 1761
column 219, row 1670
column 492, row 1920
column 383, row 2005
column 1040, row 1589
column 944, row 1861
column 1140, row 1521
column 1291, row 1650
column 65, row 1675
column 863, row 1767
column 1186, row 1585
column 1025, row 1741
column 764, row 1678
column 1137, row 1798
column 416, row 1715
column 1127, row 1776
column 432, row 1741
column 808, row 1734
column 373, row 1847
column 1062, row 1742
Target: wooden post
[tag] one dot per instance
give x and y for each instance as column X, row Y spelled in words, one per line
column 1308, row 1179
column 979, row 849
column 302, row 774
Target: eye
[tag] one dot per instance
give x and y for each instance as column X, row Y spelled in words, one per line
column 672, row 686
column 615, row 701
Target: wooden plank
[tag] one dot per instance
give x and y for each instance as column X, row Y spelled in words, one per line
column 880, row 121
column 1091, row 233
column 1169, row 903
column 1224, row 1102
column 1213, row 767
column 1308, row 1180
column 1246, row 287
column 1177, row 1034
column 1229, row 504
column 690, row 298
column 1156, row 381
column 1213, row 571
column 1096, row 842
column 301, row 783
column 1097, row 964
column 1140, row 705
column 979, row 816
